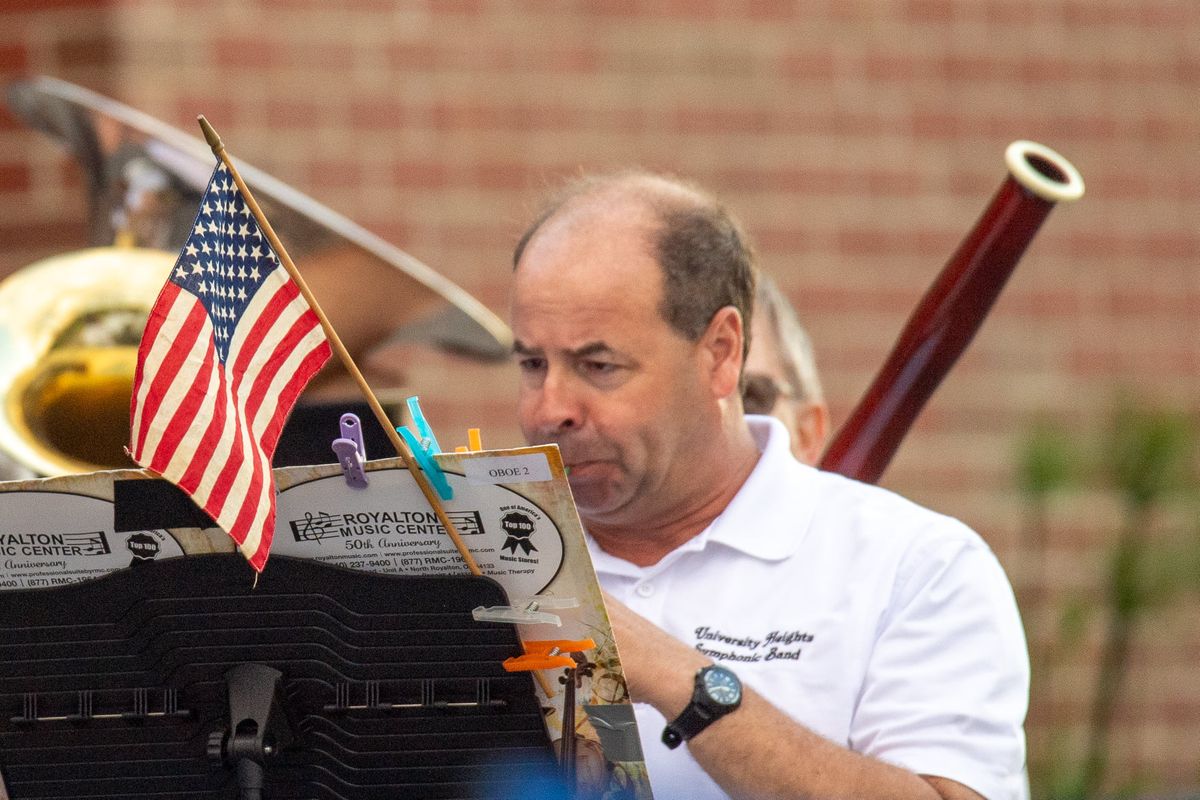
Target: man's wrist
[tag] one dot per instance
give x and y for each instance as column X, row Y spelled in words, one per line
column 716, row 692
column 671, row 694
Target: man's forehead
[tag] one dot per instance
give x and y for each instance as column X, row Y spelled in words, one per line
column 577, row 306
column 561, row 317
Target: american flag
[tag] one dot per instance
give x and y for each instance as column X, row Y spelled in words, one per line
column 229, row 346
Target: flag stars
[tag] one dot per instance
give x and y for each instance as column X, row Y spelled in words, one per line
column 226, row 259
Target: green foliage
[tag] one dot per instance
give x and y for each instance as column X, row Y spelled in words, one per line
column 1048, row 461
column 1150, row 453
column 1148, row 457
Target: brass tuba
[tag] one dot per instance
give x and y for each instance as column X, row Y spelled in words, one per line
column 70, row 325
column 69, row 332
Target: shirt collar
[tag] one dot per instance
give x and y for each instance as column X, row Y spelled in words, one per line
column 758, row 521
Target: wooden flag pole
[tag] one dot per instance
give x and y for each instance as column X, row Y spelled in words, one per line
column 335, row 341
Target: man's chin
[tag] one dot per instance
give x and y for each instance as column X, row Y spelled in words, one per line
column 594, row 498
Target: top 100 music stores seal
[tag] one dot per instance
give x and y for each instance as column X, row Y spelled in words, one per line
column 389, row 527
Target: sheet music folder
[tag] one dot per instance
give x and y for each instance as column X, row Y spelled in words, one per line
column 372, row 686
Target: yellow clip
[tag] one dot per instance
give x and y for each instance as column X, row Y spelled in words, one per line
column 474, row 441
column 547, row 654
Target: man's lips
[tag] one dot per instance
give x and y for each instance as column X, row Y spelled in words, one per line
column 582, row 468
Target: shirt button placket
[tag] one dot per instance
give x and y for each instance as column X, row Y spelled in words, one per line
column 648, row 596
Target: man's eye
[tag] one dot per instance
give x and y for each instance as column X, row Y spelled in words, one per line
column 599, row 367
column 531, row 364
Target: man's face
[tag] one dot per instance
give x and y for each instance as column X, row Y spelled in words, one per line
column 602, row 373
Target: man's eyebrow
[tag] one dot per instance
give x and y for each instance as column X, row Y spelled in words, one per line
column 584, row 351
column 591, row 349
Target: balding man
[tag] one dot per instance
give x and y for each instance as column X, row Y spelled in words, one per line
column 785, row 632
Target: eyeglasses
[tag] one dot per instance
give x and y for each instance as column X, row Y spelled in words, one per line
column 760, row 393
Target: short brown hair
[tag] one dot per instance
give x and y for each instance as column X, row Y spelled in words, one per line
column 706, row 258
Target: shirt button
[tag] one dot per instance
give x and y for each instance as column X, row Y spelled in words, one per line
column 644, row 589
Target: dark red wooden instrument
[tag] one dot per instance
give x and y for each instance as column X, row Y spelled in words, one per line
column 952, row 310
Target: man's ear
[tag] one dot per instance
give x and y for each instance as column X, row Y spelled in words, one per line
column 721, row 347
column 812, row 431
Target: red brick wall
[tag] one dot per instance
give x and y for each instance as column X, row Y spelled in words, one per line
column 42, row 210
column 858, row 139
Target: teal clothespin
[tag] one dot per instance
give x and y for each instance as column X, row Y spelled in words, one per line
column 424, row 432
column 424, row 446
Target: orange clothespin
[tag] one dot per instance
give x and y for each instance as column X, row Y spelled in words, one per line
column 547, row 654
column 475, row 443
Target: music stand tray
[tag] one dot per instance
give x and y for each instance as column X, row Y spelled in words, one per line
column 181, row 678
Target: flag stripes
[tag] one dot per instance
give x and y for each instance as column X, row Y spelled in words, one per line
column 230, row 345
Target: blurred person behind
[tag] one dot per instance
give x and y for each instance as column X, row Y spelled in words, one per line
column 781, row 373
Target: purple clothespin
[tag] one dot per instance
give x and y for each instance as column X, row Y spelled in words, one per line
column 351, row 452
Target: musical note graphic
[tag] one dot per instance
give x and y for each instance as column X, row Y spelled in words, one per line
column 315, row 527
column 92, row 543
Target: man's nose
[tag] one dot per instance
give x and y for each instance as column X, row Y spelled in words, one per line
column 559, row 406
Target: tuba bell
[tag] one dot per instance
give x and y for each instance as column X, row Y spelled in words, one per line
column 69, row 332
column 70, row 325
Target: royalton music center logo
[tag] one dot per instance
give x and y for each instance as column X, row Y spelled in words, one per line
column 323, row 525
column 88, row 543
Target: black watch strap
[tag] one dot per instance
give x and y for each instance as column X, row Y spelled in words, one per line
column 693, row 720
column 717, row 692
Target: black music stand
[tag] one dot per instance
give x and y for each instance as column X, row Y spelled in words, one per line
column 180, row 679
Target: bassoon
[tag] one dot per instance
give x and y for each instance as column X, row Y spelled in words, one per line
column 952, row 310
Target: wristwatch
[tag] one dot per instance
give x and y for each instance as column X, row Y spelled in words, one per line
column 718, row 692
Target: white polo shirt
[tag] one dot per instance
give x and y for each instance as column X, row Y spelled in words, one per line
column 883, row 626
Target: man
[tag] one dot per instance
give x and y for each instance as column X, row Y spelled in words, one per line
column 877, row 644
column 780, row 376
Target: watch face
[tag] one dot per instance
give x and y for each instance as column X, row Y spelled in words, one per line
column 722, row 686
